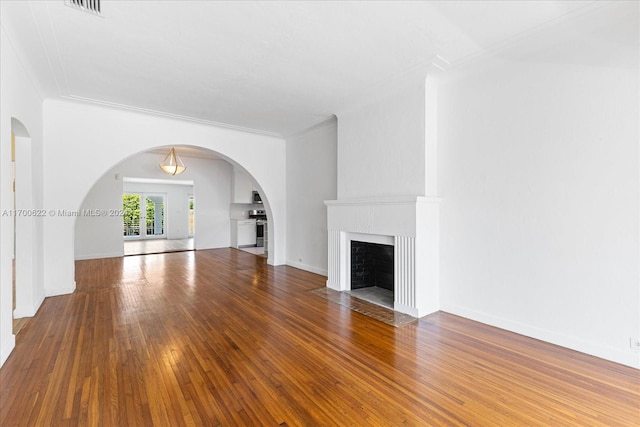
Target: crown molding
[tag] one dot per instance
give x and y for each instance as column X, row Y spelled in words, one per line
column 170, row 115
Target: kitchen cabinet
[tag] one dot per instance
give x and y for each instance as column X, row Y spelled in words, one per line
column 242, row 188
column 243, row 233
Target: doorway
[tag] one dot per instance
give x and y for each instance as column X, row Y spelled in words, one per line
column 24, row 236
column 158, row 220
column 192, row 216
column 143, row 216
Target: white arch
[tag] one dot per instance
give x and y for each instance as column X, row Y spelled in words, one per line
column 84, row 141
column 24, row 224
column 19, row 129
column 200, row 170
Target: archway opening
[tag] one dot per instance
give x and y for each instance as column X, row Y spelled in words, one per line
column 23, row 224
column 200, row 204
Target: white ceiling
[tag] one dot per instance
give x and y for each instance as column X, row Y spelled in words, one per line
column 278, row 67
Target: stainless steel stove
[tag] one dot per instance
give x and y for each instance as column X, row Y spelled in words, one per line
column 261, row 226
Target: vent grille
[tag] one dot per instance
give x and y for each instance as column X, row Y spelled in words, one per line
column 90, row 6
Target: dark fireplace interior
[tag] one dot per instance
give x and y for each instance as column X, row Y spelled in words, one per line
column 371, row 265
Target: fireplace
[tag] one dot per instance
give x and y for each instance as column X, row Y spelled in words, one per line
column 409, row 225
column 372, row 272
column 371, row 265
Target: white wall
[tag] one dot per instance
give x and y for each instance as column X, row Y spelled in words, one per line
column 92, row 139
column 100, row 237
column 311, row 179
column 381, row 150
column 21, row 102
column 539, row 223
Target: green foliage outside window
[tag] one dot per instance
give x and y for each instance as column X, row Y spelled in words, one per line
column 131, row 215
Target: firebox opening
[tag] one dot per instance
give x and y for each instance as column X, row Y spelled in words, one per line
column 372, row 272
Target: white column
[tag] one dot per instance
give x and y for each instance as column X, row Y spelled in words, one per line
column 405, row 278
column 333, row 274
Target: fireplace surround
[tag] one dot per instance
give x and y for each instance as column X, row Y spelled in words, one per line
column 410, row 225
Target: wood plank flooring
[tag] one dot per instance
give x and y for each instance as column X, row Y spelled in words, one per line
column 218, row 337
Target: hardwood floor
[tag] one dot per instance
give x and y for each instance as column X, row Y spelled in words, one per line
column 218, row 337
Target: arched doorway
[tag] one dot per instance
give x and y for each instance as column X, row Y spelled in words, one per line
column 24, row 218
column 210, row 175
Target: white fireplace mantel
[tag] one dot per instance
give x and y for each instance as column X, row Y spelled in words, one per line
column 411, row 224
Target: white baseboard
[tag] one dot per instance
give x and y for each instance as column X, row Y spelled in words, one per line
column 627, row 358
column 28, row 310
column 333, row 285
column 6, row 347
column 54, row 292
column 99, row 256
column 306, row 267
column 411, row 311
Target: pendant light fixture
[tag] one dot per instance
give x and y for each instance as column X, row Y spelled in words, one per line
column 172, row 164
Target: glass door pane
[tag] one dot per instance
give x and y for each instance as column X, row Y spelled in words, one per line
column 131, row 217
column 154, row 216
column 143, row 221
column 192, row 225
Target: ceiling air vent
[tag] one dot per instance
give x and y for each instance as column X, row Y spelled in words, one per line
column 91, row 6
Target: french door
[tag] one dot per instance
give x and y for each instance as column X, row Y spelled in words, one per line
column 192, row 215
column 143, row 215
